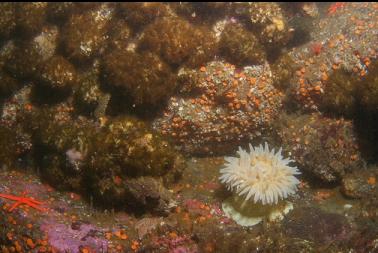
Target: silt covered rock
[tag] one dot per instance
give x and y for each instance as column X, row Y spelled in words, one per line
column 324, row 147
column 332, row 70
column 317, row 226
column 361, row 184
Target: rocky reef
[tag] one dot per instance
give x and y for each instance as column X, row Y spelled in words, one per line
column 330, row 70
column 227, row 106
column 131, row 162
column 326, row 148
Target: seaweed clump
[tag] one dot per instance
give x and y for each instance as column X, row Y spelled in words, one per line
column 134, row 165
column 119, row 35
column 201, row 12
column 57, row 73
column 84, row 34
column 30, row 18
column 143, row 79
column 267, row 21
column 7, row 19
column 369, row 87
column 23, row 58
column 89, row 99
column 13, row 144
column 178, row 42
column 240, row 46
column 138, row 15
column 8, row 85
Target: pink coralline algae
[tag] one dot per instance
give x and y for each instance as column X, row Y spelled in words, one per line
column 72, row 239
column 179, row 244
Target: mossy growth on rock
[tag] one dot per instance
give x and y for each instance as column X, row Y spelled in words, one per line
column 7, row 19
column 132, row 168
column 59, row 12
column 119, row 35
column 89, row 99
column 22, row 58
column 138, row 15
column 348, row 93
column 8, row 147
column 139, row 151
column 30, row 18
column 67, row 151
column 57, row 73
column 23, row 61
column 340, row 94
column 201, row 12
column 55, row 79
column 84, row 34
column 368, row 88
column 8, row 85
column 178, row 42
column 143, row 79
column 283, row 69
column 267, row 21
column 239, row 46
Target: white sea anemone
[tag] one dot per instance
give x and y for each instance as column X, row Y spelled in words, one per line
column 261, row 175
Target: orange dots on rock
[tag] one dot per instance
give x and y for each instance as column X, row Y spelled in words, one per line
column 121, row 234
column 372, row 180
column 228, row 104
column 134, row 245
column 30, row 243
column 342, row 49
